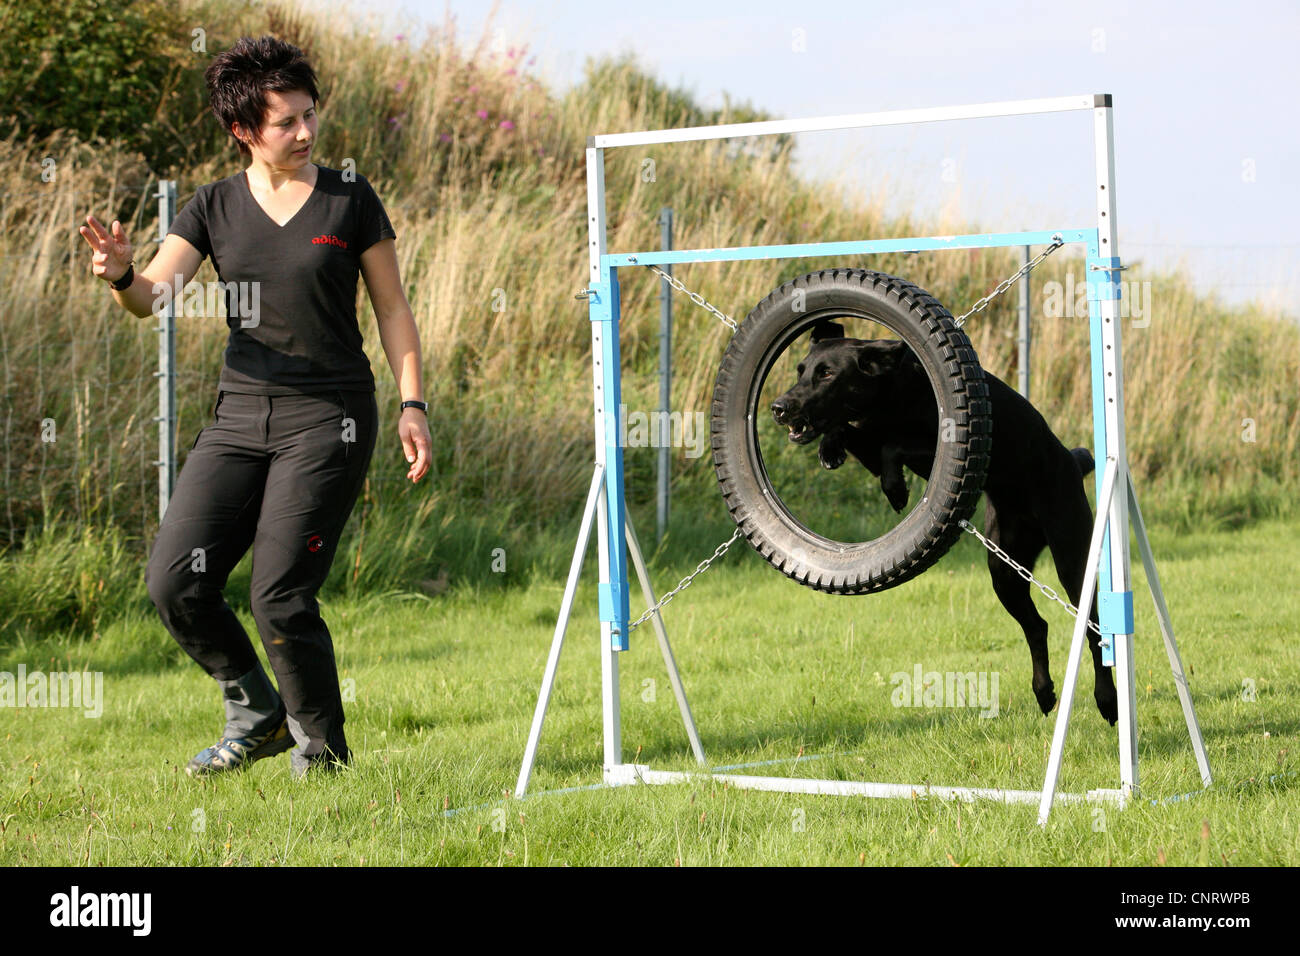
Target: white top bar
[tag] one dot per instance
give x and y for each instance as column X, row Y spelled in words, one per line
column 851, row 121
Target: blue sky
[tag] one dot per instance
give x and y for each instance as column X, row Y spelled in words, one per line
column 1207, row 138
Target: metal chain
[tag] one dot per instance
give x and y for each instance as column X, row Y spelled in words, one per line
column 1048, row 592
column 686, row 581
column 698, row 299
column 721, row 549
column 1005, row 284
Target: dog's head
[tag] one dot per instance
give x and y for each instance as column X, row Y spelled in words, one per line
column 841, row 380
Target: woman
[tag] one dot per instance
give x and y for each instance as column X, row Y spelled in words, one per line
column 294, row 426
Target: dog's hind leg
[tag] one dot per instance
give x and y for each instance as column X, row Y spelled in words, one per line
column 892, row 480
column 1069, row 529
column 1023, row 540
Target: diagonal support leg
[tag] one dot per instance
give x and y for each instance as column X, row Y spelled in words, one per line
column 561, row 625
column 674, row 677
column 1086, row 598
column 1167, row 631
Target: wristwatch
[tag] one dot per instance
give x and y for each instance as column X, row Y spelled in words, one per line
column 416, row 403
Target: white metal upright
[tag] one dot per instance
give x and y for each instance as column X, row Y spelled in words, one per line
column 607, row 386
column 1114, row 578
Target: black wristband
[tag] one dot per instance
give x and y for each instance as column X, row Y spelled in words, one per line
column 416, row 403
column 123, row 282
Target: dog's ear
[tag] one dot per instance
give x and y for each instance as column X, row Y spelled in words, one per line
column 827, row 330
column 881, row 357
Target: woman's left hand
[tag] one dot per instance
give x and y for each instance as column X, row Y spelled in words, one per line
column 413, row 429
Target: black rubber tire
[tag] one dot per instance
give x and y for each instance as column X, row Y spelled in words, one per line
column 924, row 535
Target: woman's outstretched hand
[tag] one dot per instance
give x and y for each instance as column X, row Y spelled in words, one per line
column 112, row 251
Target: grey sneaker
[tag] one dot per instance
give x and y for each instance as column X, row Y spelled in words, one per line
column 236, row 753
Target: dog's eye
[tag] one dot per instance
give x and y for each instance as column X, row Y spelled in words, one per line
column 825, row 373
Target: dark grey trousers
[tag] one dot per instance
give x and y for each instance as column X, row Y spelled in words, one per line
column 280, row 474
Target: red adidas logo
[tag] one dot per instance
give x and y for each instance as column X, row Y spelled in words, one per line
column 329, row 241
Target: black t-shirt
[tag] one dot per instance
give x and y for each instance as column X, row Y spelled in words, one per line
column 291, row 290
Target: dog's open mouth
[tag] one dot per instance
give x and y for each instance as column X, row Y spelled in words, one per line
column 802, row 431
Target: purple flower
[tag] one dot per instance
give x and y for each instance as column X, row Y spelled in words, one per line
column 473, row 89
column 506, row 124
column 445, row 137
column 481, row 114
column 511, row 72
column 399, row 85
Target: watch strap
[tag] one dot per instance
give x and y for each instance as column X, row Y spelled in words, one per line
column 125, row 280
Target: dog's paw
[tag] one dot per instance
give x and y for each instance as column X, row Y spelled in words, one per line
column 1046, row 697
column 1107, row 704
column 831, row 453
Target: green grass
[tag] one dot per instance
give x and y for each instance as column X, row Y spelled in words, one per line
column 445, row 687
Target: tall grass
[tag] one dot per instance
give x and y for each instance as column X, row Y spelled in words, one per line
column 481, row 169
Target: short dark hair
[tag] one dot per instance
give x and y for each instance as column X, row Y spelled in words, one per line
column 239, row 79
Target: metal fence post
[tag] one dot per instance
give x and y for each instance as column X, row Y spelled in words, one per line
column 1023, row 339
column 166, row 374
column 665, row 375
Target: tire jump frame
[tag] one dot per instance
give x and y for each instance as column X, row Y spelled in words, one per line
column 933, row 526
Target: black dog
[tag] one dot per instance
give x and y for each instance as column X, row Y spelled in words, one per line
column 872, row 399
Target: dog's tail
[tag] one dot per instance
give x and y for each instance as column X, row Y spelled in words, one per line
column 1085, row 461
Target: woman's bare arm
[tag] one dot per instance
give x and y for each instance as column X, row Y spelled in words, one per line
column 401, row 341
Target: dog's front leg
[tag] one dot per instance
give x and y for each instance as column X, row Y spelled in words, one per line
column 833, row 451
